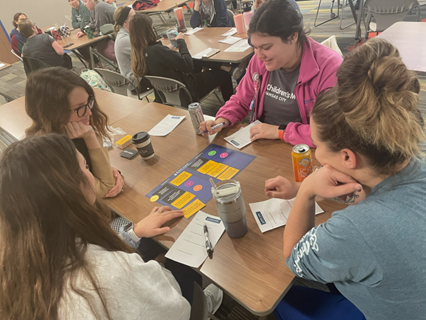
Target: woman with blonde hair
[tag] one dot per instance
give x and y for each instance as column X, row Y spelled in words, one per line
column 367, row 134
column 59, row 257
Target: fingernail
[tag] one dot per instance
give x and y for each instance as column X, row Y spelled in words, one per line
column 358, row 187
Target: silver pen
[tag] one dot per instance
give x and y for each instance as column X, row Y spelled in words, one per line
column 209, row 246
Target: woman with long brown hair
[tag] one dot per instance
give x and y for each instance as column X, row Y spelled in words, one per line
column 59, row 257
column 58, row 100
column 151, row 57
column 367, row 133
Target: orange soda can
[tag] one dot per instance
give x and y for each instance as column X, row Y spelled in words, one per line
column 302, row 162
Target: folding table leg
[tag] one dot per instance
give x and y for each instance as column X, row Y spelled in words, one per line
column 332, row 14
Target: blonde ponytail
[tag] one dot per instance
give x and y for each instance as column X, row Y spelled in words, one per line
column 377, row 99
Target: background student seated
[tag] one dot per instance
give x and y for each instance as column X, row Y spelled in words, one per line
column 100, row 13
column 210, row 13
column 151, row 57
column 16, row 40
column 42, row 46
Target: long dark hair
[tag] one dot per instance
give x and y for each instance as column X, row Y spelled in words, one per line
column 142, row 35
column 46, row 101
column 278, row 18
column 46, row 224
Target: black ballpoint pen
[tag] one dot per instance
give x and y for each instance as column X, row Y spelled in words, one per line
column 209, row 246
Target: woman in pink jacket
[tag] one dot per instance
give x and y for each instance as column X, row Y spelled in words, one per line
column 283, row 78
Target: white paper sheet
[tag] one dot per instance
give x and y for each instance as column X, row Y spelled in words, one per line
column 241, row 138
column 230, row 32
column 273, row 213
column 165, row 126
column 192, row 31
column 240, row 46
column 230, row 40
column 190, row 247
column 205, row 53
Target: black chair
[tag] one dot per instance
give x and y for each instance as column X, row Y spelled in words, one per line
column 33, row 64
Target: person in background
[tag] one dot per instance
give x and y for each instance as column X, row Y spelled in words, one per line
column 210, row 13
column 42, row 46
column 122, row 17
column 80, row 15
column 66, row 262
column 258, row 3
column 368, row 136
column 58, row 100
column 100, row 13
column 16, row 40
column 283, row 78
column 151, row 57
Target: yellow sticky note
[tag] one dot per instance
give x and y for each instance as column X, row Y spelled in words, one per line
column 193, row 208
column 183, row 200
column 217, row 170
column 209, row 165
column 180, row 178
column 228, row 174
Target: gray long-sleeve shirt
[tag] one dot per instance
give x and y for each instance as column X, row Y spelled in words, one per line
column 103, row 13
column 374, row 252
column 122, row 50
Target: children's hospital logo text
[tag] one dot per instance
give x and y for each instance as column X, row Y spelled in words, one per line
column 278, row 94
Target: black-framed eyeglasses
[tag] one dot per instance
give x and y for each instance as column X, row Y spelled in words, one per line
column 81, row 111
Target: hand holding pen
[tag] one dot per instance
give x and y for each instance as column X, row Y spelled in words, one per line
column 212, row 127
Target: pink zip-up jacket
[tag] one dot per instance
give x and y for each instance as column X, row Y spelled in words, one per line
column 318, row 69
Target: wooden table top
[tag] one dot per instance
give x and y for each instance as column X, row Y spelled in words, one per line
column 15, row 120
column 162, row 6
column 251, row 269
column 79, row 42
column 209, row 38
column 5, row 65
column 409, row 37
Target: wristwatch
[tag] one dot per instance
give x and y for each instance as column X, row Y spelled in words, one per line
column 129, row 230
column 281, row 130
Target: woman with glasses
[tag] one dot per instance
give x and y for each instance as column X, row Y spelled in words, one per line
column 58, row 100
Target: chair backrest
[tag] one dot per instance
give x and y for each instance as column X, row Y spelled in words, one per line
column 106, row 28
column 387, row 12
column 231, row 18
column 116, row 81
column 14, row 53
column 171, row 91
column 32, row 64
column 332, row 44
